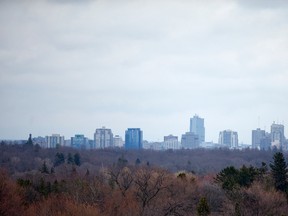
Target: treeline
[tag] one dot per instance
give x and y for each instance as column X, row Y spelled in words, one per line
column 141, row 189
column 17, row 159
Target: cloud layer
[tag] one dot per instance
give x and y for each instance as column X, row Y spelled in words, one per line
column 71, row 67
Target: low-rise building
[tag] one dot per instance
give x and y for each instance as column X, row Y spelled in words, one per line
column 189, row 140
column 118, row 141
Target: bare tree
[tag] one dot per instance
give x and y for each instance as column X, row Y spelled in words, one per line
column 149, row 183
column 122, row 177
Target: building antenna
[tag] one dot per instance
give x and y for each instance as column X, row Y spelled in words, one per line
column 258, row 121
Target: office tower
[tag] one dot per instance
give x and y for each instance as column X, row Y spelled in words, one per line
column 257, row 136
column 189, row 140
column 277, row 136
column 80, row 142
column 103, row 138
column 54, row 141
column 133, row 138
column 228, row 138
column 265, row 143
column 171, row 142
column 118, row 141
column 197, row 127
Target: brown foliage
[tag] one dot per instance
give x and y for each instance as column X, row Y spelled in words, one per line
column 11, row 202
column 258, row 201
column 128, row 190
column 121, row 177
column 61, row 206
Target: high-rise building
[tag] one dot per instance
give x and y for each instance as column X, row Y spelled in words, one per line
column 79, row 141
column 265, row 143
column 133, row 138
column 55, row 140
column 103, row 138
column 197, row 127
column 286, row 145
column 228, row 138
column 257, row 136
column 171, row 142
column 277, row 136
column 189, row 140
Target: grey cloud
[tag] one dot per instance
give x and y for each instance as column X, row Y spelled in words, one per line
column 140, row 63
column 263, row 4
column 70, row 1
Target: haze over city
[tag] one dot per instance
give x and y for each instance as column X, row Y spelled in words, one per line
column 70, row 67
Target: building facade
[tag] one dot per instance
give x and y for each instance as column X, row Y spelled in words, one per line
column 171, row 142
column 265, row 143
column 103, row 138
column 189, row 140
column 118, row 141
column 228, row 138
column 197, row 127
column 41, row 141
column 156, row 146
column 277, row 136
column 55, row 140
column 79, row 141
column 257, row 136
column 133, row 138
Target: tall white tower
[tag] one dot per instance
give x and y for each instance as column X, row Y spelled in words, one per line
column 197, row 127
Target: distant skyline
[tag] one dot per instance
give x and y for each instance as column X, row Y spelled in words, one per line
column 69, row 66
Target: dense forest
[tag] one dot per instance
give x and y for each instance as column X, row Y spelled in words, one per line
column 18, row 159
column 64, row 181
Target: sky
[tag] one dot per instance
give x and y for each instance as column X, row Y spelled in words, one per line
column 70, row 66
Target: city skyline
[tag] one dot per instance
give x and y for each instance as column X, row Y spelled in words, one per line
column 70, row 67
column 276, row 134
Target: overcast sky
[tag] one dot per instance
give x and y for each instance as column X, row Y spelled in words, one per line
column 71, row 66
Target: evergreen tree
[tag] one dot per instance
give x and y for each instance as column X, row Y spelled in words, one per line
column 77, row 160
column 29, row 142
column 37, row 147
column 247, row 175
column 44, row 188
column 59, row 159
column 137, row 162
column 122, row 161
column 263, row 169
column 70, row 159
column 228, row 178
column 279, row 171
column 231, row 178
column 203, row 208
column 44, row 168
